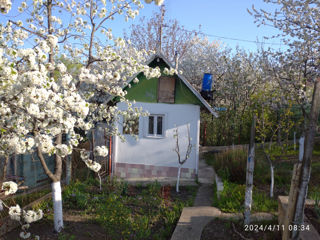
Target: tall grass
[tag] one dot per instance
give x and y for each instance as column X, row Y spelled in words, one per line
column 230, row 164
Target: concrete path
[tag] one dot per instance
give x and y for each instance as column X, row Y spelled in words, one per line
column 206, row 173
column 206, row 178
column 194, row 219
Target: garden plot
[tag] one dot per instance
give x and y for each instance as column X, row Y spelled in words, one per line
column 230, row 165
column 119, row 211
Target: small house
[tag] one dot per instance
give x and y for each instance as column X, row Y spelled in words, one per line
column 172, row 104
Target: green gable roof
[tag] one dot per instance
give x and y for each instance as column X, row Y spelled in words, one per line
column 146, row 90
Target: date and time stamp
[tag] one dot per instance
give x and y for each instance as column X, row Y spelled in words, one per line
column 275, row 227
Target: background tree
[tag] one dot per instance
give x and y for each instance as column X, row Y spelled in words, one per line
column 174, row 38
column 299, row 20
column 269, row 101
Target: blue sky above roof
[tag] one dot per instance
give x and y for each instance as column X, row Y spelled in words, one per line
column 227, row 21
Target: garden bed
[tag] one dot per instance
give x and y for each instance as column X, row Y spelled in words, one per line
column 119, row 211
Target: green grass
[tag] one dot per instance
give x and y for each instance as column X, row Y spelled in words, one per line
column 232, row 199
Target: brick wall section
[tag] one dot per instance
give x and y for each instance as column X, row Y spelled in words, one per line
column 127, row 170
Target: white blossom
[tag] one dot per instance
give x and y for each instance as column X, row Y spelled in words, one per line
column 63, row 150
column 25, row 235
column 25, row 226
column 94, row 166
column 15, row 212
column 52, row 40
column 5, row 6
column 158, row 2
column 9, row 187
column 101, row 151
column 32, row 216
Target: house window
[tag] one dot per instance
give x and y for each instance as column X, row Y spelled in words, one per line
column 130, row 125
column 166, row 89
column 155, row 125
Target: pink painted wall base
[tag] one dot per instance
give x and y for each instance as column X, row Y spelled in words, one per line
column 127, row 170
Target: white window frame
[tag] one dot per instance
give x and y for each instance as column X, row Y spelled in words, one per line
column 155, row 129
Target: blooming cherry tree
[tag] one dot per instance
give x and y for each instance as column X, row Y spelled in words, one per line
column 40, row 100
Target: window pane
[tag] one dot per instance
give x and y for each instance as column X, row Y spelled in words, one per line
column 159, row 125
column 151, row 122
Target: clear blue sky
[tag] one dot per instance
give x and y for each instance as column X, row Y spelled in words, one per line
column 225, row 18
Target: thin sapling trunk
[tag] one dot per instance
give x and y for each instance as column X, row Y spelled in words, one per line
column 177, row 150
column 249, row 174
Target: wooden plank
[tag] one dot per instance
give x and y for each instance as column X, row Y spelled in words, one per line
column 166, row 89
column 291, row 202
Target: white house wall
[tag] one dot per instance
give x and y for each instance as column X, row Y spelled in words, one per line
column 155, row 157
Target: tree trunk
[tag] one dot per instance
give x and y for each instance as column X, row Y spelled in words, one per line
column 68, row 169
column 249, row 175
column 178, row 178
column 5, row 166
column 291, row 202
column 272, row 180
column 306, row 162
column 57, row 206
column 271, row 171
column 279, row 130
column 55, row 186
column 294, row 141
column 301, row 148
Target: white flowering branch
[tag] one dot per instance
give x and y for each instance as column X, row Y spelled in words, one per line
column 99, row 151
column 15, row 213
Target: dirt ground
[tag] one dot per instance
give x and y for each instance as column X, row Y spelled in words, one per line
column 76, row 228
column 312, row 217
column 219, row 229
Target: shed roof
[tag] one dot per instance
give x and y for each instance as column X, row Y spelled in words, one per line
column 183, row 79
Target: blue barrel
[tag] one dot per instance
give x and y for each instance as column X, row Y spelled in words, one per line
column 207, row 82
